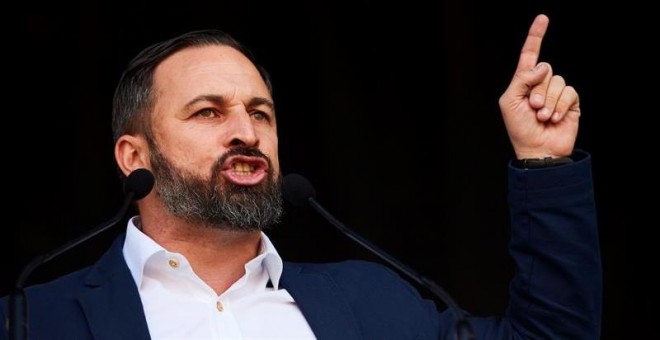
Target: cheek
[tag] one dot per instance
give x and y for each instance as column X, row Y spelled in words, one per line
column 269, row 147
column 196, row 156
column 276, row 164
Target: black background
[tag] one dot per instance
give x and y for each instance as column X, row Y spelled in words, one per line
column 390, row 110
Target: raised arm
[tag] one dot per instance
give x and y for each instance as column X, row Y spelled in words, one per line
column 557, row 290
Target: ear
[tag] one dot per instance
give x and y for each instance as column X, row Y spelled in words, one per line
column 131, row 152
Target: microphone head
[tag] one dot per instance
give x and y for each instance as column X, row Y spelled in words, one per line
column 139, row 182
column 297, row 190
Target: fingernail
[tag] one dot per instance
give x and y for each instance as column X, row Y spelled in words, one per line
column 537, row 99
column 544, row 113
column 539, row 67
column 555, row 117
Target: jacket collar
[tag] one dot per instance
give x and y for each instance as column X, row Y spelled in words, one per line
column 110, row 299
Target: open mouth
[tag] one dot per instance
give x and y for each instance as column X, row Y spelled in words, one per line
column 245, row 170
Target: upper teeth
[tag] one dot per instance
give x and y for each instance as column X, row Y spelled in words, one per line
column 242, row 167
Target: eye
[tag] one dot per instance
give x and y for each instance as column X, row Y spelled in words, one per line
column 206, row 113
column 258, row 115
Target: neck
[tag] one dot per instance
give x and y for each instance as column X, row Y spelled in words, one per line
column 217, row 256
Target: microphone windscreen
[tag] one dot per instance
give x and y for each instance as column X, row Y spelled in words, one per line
column 297, row 190
column 139, row 182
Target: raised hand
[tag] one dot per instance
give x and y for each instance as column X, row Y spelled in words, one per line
column 540, row 111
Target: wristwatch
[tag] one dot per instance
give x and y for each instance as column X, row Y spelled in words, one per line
column 539, row 163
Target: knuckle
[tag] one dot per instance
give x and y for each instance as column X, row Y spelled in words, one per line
column 571, row 90
column 558, row 79
column 551, row 98
column 568, row 99
column 563, row 105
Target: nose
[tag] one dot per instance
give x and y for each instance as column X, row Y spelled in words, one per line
column 241, row 131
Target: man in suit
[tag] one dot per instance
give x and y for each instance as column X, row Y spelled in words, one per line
column 198, row 112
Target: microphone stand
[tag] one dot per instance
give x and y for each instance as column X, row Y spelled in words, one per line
column 463, row 328
column 18, row 311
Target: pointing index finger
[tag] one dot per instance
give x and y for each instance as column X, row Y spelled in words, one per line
column 529, row 55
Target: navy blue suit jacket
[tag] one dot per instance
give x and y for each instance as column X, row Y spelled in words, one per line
column 555, row 294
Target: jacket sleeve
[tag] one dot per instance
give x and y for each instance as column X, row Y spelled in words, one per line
column 557, row 290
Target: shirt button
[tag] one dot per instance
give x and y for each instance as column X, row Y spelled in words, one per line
column 174, row 263
column 219, row 306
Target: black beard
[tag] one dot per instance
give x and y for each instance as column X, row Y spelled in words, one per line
column 218, row 203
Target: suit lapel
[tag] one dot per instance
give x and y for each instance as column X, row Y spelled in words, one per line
column 110, row 300
column 324, row 307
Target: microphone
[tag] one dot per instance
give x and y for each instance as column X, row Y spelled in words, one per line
column 136, row 186
column 300, row 192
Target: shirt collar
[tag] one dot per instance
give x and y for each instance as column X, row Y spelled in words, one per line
column 138, row 248
column 271, row 261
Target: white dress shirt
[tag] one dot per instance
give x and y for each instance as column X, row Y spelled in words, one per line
column 179, row 305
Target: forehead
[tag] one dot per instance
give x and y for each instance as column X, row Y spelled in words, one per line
column 205, row 67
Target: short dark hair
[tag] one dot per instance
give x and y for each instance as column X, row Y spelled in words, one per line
column 133, row 98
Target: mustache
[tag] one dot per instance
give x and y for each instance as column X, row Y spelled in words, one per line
column 243, row 151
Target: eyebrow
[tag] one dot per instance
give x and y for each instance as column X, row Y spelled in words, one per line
column 221, row 100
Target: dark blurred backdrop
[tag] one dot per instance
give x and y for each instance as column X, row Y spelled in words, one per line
column 390, row 110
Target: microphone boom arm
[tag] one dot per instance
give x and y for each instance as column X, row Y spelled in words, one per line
column 18, row 312
column 463, row 327
column 137, row 185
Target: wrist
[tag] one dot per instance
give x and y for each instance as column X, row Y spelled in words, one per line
column 540, row 163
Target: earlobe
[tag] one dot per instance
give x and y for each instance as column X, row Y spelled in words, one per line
column 131, row 152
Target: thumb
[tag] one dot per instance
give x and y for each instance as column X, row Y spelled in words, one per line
column 524, row 80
